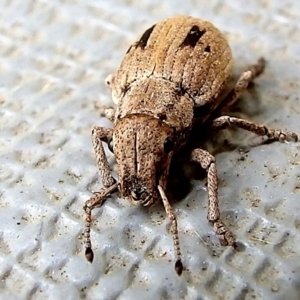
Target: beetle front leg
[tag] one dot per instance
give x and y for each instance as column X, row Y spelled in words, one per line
column 207, row 162
column 99, row 135
column 277, row 135
column 96, row 200
column 174, row 230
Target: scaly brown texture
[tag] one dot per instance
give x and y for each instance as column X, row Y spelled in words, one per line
column 172, row 78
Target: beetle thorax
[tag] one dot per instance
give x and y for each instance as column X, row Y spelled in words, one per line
column 160, row 99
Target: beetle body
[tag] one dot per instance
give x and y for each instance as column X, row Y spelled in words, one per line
column 176, row 65
column 170, row 81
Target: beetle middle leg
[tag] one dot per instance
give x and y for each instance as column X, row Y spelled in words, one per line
column 207, row 162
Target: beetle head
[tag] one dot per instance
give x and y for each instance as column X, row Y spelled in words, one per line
column 143, row 147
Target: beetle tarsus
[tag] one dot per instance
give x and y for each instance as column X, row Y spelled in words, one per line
column 178, row 267
column 89, row 254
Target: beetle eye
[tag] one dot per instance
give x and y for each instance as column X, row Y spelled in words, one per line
column 168, row 145
column 111, row 145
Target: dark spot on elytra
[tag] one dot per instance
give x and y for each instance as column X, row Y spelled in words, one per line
column 170, row 106
column 193, row 37
column 162, row 116
column 207, row 49
column 125, row 89
column 145, row 37
column 129, row 49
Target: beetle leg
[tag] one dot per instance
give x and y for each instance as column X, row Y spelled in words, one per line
column 172, row 216
column 99, row 135
column 107, row 112
column 95, row 201
column 207, row 162
column 243, row 82
column 277, row 135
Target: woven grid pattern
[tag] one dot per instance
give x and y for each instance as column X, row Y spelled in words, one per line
column 54, row 57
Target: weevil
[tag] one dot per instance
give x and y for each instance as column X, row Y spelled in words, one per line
column 171, row 81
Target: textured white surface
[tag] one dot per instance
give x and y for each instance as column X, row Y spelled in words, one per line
column 54, row 57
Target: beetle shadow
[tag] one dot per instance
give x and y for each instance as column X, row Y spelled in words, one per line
column 182, row 171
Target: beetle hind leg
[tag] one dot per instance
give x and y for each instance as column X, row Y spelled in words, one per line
column 243, row 82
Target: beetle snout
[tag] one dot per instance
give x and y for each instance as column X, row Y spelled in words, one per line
column 138, row 193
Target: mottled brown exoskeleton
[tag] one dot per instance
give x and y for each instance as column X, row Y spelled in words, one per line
column 177, row 67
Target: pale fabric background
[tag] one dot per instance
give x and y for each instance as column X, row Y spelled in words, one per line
column 54, row 57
